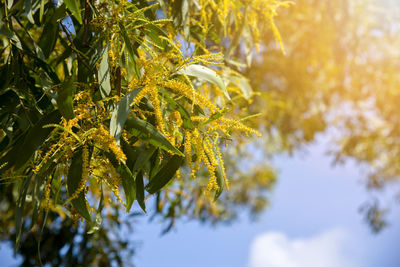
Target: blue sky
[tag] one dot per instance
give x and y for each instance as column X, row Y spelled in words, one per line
column 313, row 221
column 314, row 217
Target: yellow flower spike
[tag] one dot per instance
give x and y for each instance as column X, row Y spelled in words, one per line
column 208, row 147
column 157, row 108
column 198, row 144
column 3, row 165
column 188, row 149
column 107, row 142
column 140, row 95
column 45, row 158
column 176, row 116
column 85, row 162
column 203, row 154
column 178, row 174
column 47, row 194
column 237, row 125
column 183, row 89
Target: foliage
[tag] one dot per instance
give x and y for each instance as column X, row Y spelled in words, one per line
column 98, row 96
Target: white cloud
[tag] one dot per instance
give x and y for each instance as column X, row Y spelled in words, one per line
column 329, row 249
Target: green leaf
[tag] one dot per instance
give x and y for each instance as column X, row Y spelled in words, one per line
column 154, row 32
column 128, row 181
column 129, row 47
column 220, row 182
column 37, row 194
column 48, row 38
column 137, row 157
column 165, row 174
column 28, row 11
column 23, row 150
column 187, row 122
column 206, row 74
column 99, row 219
column 19, row 210
column 140, row 190
column 143, row 158
column 5, row 31
column 65, row 98
column 147, row 132
column 216, row 116
column 121, row 112
column 41, row 11
column 74, row 7
column 56, row 186
column 73, row 182
column 37, row 58
column 155, row 163
column 131, row 152
column 104, row 75
column 5, row 77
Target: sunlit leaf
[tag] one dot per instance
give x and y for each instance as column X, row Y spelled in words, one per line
column 147, row 132
column 74, row 7
column 206, row 74
column 104, row 75
column 243, row 84
column 121, row 112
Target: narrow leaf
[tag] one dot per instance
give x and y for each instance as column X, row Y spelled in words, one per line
column 73, row 182
column 37, row 194
column 74, row 7
column 143, row 158
column 220, row 181
column 28, row 11
column 99, row 219
column 165, row 174
column 129, row 47
column 121, row 112
column 128, row 181
column 140, row 190
column 19, row 210
column 104, row 75
column 33, row 140
column 243, row 84
column 48, row 38
column 187, row 122
column 64, row 99
column 206, row 74
column 147, row 132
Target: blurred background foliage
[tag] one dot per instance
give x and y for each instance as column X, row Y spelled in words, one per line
column 334, row 69
column 338, row 74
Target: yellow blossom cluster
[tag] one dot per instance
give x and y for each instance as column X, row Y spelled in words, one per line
column 253, row 13
column 106, row 142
